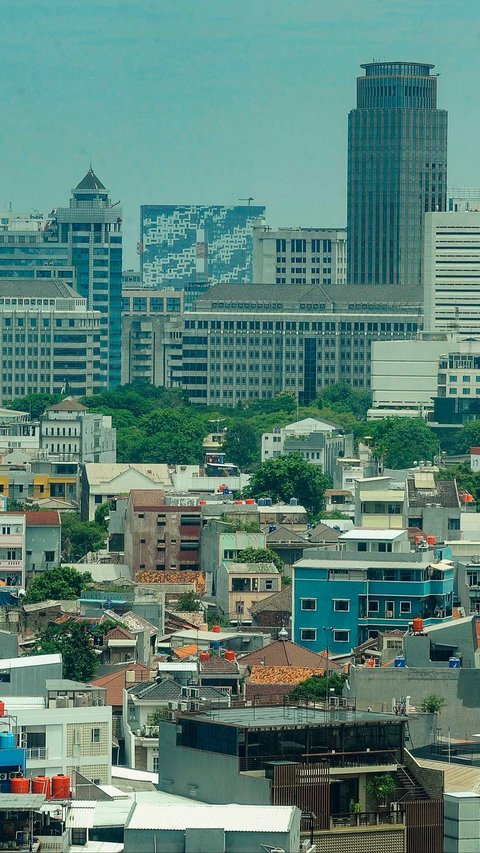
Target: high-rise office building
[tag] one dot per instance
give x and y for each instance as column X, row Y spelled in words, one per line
column 397, row 170
column 299, row 255
column 190, row 242
column 91, row 229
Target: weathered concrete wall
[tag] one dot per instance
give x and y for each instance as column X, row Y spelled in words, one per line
column 375, row 689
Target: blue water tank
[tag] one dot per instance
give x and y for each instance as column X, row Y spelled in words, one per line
column 454, row 663
column 216, row 644
column 262, row 502
column 400, row 661
column 272, row 528
column 268, row 502
column 293, row 502
column 7, row 740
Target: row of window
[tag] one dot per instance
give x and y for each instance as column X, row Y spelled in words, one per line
column 309, row 635
column 342, row 605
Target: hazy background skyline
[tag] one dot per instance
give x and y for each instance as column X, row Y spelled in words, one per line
column 210, row 101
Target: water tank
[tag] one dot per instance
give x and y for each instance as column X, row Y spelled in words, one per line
column 250, row 501
column 20, row 785
column 400, row 661
column 202, row 502
column 417, row 625
column 369, row 663
column 293, row 502
column 61, row 787
column 269, row 502
column 2, row 709
column 203, row 657
column 7, row 740
column 262, row 502
column 238, row 502
column 42, row 785
column 272, row 528
column 216, row 629
column 454, row 663
column 216, row 645
column 230, row 655
column 431, row 540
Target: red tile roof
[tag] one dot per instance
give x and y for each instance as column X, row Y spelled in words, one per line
column 43, row 519
column 284, row 653
column 115, row 682
column 119, row 634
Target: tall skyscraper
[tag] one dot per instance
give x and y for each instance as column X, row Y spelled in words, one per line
column 397, row 170
column 189, row 242
column 91, row 230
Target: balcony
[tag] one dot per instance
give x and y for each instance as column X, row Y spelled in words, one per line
column 36, row 753
column 368, row 819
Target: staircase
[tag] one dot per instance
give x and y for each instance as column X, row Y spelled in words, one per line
column 407, row 788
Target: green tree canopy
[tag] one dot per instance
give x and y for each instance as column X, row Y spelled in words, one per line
column 466, row 437
column 317, row 687
column 174, row 436
column 260, row 555
column 402, row 441
column 467, row 480
column 287, row 477
column 342, row 397
column 73, row 641
column 35, row 404
column 242, row 445
column 62, row 583
column 188, row 603
column 79, row 537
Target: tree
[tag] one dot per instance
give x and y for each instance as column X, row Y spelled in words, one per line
column 402, row 441
column 343, row 398
column 79, row 537
column 260, row 555
column 101, row 515
column 381, row 787
column 35, row 404
column 467, row 480
column 287, row 477
column 432, row 704
column 188, row 603
column 242, row 445
column 174, row 436
column 317, row 687
column 61, row 583
column 466, row 437
column 73, row 641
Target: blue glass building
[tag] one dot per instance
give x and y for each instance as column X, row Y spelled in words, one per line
column 374, row 584
column 187, row 243
column 397, row 170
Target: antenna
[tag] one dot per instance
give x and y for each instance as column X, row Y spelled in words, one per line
column 249, row 198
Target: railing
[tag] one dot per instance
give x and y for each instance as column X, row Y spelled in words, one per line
column 366, row 819
column 369, row 758
column 36, row 752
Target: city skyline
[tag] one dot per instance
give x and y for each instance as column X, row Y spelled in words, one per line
column 210, row 105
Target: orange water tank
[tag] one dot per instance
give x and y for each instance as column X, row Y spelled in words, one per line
column 20, row 785
column 216, row 629
column 419, row 538
column 238, row 502
column 250, row 501
column 42, row 785
column 203, row 657
column 202, row 502
column 431, row 540
column 229, row 655
column 2, row 709
column 61, row 787
column 417, row 625
column 370, row 663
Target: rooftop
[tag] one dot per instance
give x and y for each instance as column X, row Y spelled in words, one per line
column 444, row 493
column 362, row 534
column 21, row 802
column 115, row 682
column 279, row 602
column 104, row 472
column 69, row 404
column 232, row 817
column 90, row 182
column 31, row 660
column 336, row 295
column 42, row 288
column 251, row 568
column 284, row 653
column 286, row 716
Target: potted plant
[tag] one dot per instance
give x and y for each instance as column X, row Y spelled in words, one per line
column 382, row 788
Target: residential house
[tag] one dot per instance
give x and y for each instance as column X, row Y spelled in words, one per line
column 100, row 482
column 221, row 541
column 114, row 683
column 318, row 441
column 68, row 431
column 29, row 542
column 274, row 671
column 374, row 583
column 239, row 585
column 161, row 536
column 274, row 611
column 320, row 761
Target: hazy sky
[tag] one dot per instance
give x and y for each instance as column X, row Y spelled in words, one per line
column 209, row 101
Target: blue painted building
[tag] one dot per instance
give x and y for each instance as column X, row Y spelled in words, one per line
column 190, row 243
column 374, row 583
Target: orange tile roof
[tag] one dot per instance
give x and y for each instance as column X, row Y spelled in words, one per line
column 281, row 674
column 115, row 682
column 183, row 652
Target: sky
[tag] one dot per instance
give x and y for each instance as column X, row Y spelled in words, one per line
column 212, row 101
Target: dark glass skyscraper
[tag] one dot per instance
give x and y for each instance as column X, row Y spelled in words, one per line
column 397, row 169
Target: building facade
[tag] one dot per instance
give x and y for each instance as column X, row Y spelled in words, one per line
column 160, row 536
column 239, row 585
column 451, row 273
column 263, row 340
column 50, row 340
column 374, row 583
column 397, row 170
column 91, row 230
column 299, row 255
column 30, row 542
column 148, row 320
column 68, row 431
column 319, row 442
column 191, row 242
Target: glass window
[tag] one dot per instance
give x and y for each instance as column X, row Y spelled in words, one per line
column 405, row 607
column 373, row 606
column 308, row 634
column 341, row 636
column 341, row 604
column 308, row 604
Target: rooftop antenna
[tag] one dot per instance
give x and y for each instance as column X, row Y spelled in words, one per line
column 249, row 198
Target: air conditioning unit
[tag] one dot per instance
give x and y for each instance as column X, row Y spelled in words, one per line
column 389, row 614
column 193, row 705
column 62, row 702
column 183, row 706
column 172, row 706
column 3, row 777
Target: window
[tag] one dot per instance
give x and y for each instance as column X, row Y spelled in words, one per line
column 308, row 635
column 405, row 607
column 341, row 636
column 361, row 546
column 239, row 608
column 269, row 584
column 95, row 735
column 454, row 524
column 389, row 609
column 4, row 676
column 385, row 546
column 341, row 604
column 49, row 556
column 373, row 606
column 308, row 604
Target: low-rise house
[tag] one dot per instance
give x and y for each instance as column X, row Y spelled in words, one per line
column 222, row 540
column 272, row 672
column 70, row 432
column 239, row 585
column 114, row 683
column 29, row 542
column 102, row 481
column 160, row 536
column 274, row 611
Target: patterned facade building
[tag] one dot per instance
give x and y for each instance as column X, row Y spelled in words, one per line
column 185, row 243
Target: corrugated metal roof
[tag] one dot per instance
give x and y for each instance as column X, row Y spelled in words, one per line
column 81, row 815
column 232, row 817
column 457, row 777
column 21, row 802
column 363, row 533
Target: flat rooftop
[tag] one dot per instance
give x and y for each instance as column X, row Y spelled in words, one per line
column 290, row 715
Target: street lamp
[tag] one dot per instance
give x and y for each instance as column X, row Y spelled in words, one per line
column 326, row 629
